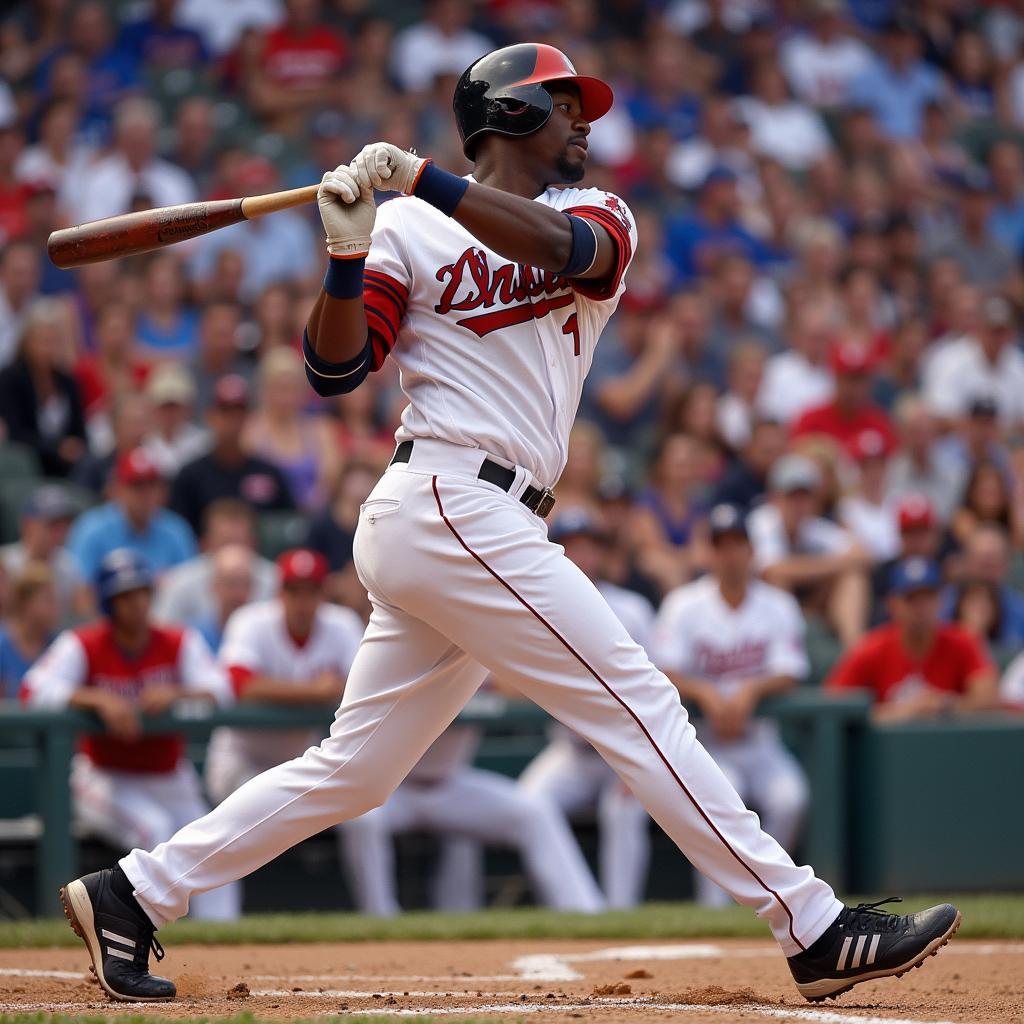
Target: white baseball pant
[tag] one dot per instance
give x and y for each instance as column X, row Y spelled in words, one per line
column 464, row 581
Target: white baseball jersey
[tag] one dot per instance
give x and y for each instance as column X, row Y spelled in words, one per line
column 492, row 354
column 698, row 634
column 815, row 536
column 257, row 643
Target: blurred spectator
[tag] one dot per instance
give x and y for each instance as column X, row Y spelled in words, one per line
column 110, row 184
column 19, row 287
column 722, row 141
column 272, row 249
column 782, row 128
column 441, row 44
column 987, row 365
column 726, row 642
column 361, row 428
column 46, row 518
column 737, row 406
column 865, row 509
column 745, row 480
column 130, row 420
column 917, row 667
column 280, row 431
column 218, row 354
column 166, row 326
column 799, row 378
column 898, row 84
column 134, row 518
column 185, row 593
column 988, row 498
column 797, row 550
column 196, row 140
column 1006, row 219
column 29, row 627
column 227, row 471
column 39, row 400
column 1011, row 686
column 121, row 668
column 850, row 413
column 173, row 439
column 668, row 521
column 159, row 43
column 987, row 561
column 985, row 261
column 823, row 61
column 586, row 460
column 915, row 467
column 299, row 66
column 736, row 296
column 59, row 154
column 221, row 24
column 332, row 531
column 231, row 586
column 696, row 241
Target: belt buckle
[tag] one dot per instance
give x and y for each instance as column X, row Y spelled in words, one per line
column 546, row 503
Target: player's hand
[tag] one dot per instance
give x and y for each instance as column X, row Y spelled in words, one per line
column 736, row 711
column 157, row 698
column 327, row 687
column 119, row 716
column 381, row 165
column 348, row 212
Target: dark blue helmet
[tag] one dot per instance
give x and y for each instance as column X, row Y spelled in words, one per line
column 122, row 570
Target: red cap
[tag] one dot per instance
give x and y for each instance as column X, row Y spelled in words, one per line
column 868, row 444
column 136, row 467
column 848, row 358
column 303, row 566
column 231, row 389
column 915, row 512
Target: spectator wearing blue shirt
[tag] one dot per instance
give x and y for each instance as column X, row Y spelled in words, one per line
column 135, row 518
column 664, row 99
column 31, row 624
column 1006, row 218
column 696, row 241
column 898, row 85
column 157, row 43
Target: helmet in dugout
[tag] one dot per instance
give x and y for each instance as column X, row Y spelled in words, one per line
column 120, row 571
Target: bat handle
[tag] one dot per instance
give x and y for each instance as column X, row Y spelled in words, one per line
column 258, row 206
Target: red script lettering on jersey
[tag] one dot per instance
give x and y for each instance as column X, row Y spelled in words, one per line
column 527, row 287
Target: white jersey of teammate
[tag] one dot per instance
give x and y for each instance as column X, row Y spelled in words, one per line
column 493, row 355
column 699, row 635
column 257, row 642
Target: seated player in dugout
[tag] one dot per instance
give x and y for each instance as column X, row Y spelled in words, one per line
column 490, row 293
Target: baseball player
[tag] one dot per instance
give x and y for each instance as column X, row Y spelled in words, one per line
column 726, row 641
column 133, row 791
column 490, row 293
column 571, row 772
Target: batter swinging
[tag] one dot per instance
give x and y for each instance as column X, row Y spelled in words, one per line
column 490, row 292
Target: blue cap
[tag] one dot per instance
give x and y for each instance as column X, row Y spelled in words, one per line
column 574, row 522
column 719, row 172
column 915, row 574
column 726, row 518
column 51, row 502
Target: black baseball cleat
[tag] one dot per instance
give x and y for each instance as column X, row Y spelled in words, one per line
column 118, row 935
column 864, row 943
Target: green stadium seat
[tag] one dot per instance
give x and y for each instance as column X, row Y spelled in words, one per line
column 18, row 462
column 278, row 531
column 823, row 650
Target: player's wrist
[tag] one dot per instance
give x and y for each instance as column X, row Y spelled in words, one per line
column 442, row 189
column 344, row 277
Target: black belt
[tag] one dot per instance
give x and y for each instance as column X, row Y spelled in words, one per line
column 537, row 500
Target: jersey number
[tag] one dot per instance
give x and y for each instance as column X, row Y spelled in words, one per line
column 572, row 326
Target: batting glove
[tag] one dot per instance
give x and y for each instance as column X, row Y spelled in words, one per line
column 348, row 212
column 381, row 165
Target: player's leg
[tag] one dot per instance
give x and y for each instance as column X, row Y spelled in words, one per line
column 624, row 830
column 493, row 809
column 515, row 603
column 458, row 883
column 367, row 848
column 566, row 773
column 406, row 685
column 705, row 892
column 777, row 787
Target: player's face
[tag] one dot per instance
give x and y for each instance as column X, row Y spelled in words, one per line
column 918, row 611
column 130, row 610
column 562, row 143
column 730, row 556
column 301, row 601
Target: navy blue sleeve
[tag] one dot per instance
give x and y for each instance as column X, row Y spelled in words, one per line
column 327, row 378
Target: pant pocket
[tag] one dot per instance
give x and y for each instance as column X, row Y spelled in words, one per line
column 377, row 508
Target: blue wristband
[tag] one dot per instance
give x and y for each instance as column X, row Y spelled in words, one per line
column 344, row 277
column 440, row 188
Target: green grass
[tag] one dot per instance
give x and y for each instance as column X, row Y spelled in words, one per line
column 985, row 917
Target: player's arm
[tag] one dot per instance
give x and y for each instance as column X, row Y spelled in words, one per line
column 591, row 245
column 324, row 688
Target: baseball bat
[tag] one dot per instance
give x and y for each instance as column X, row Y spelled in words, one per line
column 133, row 233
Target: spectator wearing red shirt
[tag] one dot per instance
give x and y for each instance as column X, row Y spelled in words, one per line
column 851, row 412
column 917, row 666
column 300, row 65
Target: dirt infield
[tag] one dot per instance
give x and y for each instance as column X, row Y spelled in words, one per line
column 544, row 981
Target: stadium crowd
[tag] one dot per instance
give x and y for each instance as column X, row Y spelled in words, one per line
column 819, row 347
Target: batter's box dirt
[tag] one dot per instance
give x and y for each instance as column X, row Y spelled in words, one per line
column 549, row 982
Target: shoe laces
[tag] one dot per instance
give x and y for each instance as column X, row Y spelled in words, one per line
column 867, row 916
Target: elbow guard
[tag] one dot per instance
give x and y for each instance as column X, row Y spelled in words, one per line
column 328, row 379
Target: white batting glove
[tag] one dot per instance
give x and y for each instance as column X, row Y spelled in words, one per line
column 381, row 165
column 348, row 212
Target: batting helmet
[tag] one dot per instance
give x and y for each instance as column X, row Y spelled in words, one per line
column 120, row 571
column 504, row 92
